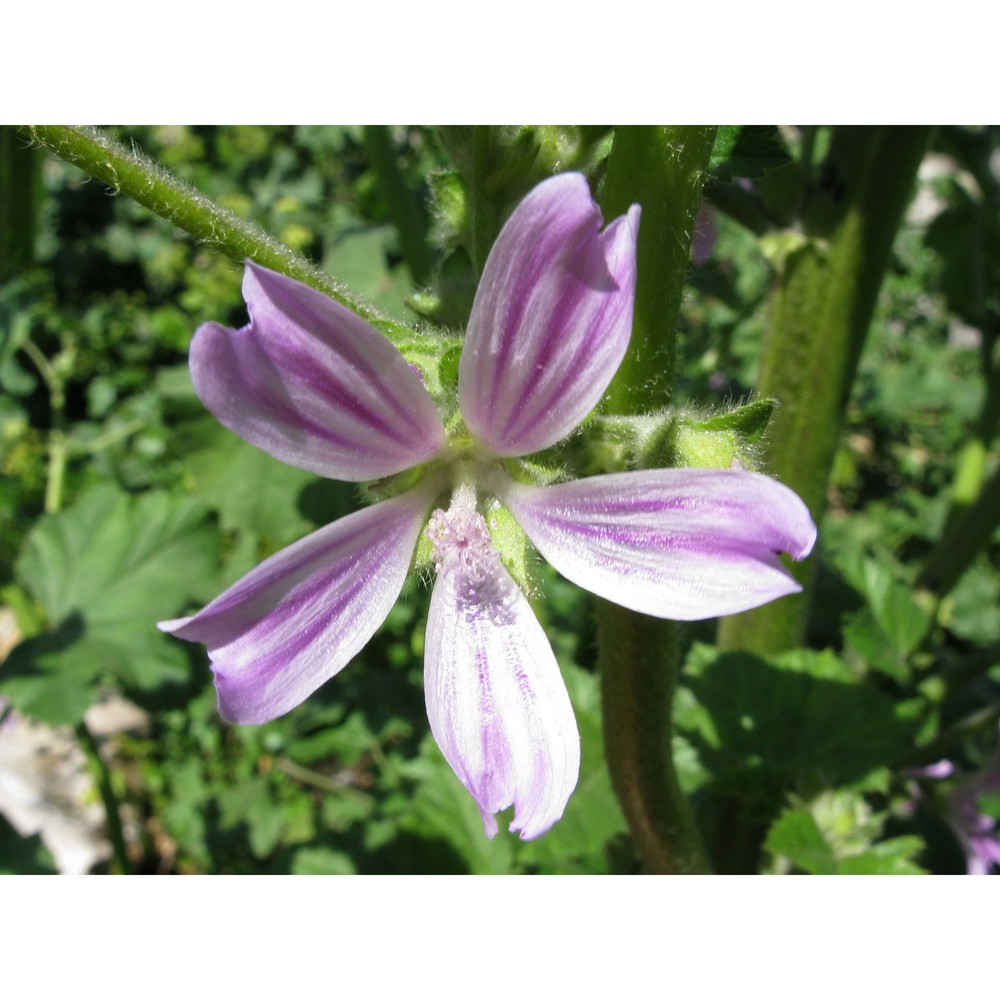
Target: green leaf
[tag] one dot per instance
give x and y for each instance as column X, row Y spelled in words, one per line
column 797, row 837
column 893, row 624
column 359, row 256
column 747, row 151
column 972, row 610
column 252, row 490
column 184, row 814
column 251, row 802
column 837, row 833
column 756, row 721
column 321, row 861
column 890, row 857
column 442, row 808
column 104, row 571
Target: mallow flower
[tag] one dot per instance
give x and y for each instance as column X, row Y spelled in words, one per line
column 317, row 387
column 975, row 831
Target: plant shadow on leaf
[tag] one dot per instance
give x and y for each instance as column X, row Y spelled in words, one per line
column 761, row 728
column 52, row 677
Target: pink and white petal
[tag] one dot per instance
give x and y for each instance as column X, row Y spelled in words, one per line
column 314, row 385
column 303, row 614
column 496, row 701
column 551, row 321
column 674, row 543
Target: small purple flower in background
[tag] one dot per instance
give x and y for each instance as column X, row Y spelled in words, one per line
column 975, row 831
column 315, row 386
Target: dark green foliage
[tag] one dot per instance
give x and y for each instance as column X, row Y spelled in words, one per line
column 795, row 763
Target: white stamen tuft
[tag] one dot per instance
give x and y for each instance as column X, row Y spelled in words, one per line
column 462, row 540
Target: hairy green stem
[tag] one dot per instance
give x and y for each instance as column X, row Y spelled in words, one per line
column 112, row 437
column 662, row 170
column 129, row 172
column 826, row 290
column 112, row 810
column 637, row 659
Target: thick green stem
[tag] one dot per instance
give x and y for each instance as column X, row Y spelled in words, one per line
column 637, row 658
column 130, row 173
column 662, row 170
column 482, row 155
column 826, row 291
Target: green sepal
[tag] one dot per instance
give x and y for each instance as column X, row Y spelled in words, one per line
column 620, row 442
column 432, row 354
column 724, row 439
column 670, row 438
column 512, row 543
column 393, row 486
column 530, row 470
column 749, row 421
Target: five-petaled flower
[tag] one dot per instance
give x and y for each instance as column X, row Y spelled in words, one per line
column 315, row 386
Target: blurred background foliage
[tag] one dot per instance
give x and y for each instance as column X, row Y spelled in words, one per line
column 122, row 502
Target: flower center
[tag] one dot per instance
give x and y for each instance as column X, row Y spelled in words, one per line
column 461, row 538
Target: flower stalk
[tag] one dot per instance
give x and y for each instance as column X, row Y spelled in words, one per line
column 822, row 307
column 662, row 168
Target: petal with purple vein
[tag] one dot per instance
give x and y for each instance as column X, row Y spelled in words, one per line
column 301, row 616
column 496, row 701
column 314, row 385
column 674, row 543
column 551, row 320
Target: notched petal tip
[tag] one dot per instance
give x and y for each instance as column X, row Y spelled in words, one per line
column 314, row 385
column 173, row 625
column 496, row 701
column 684, row 544
column 551, row 321
column 301, row 616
